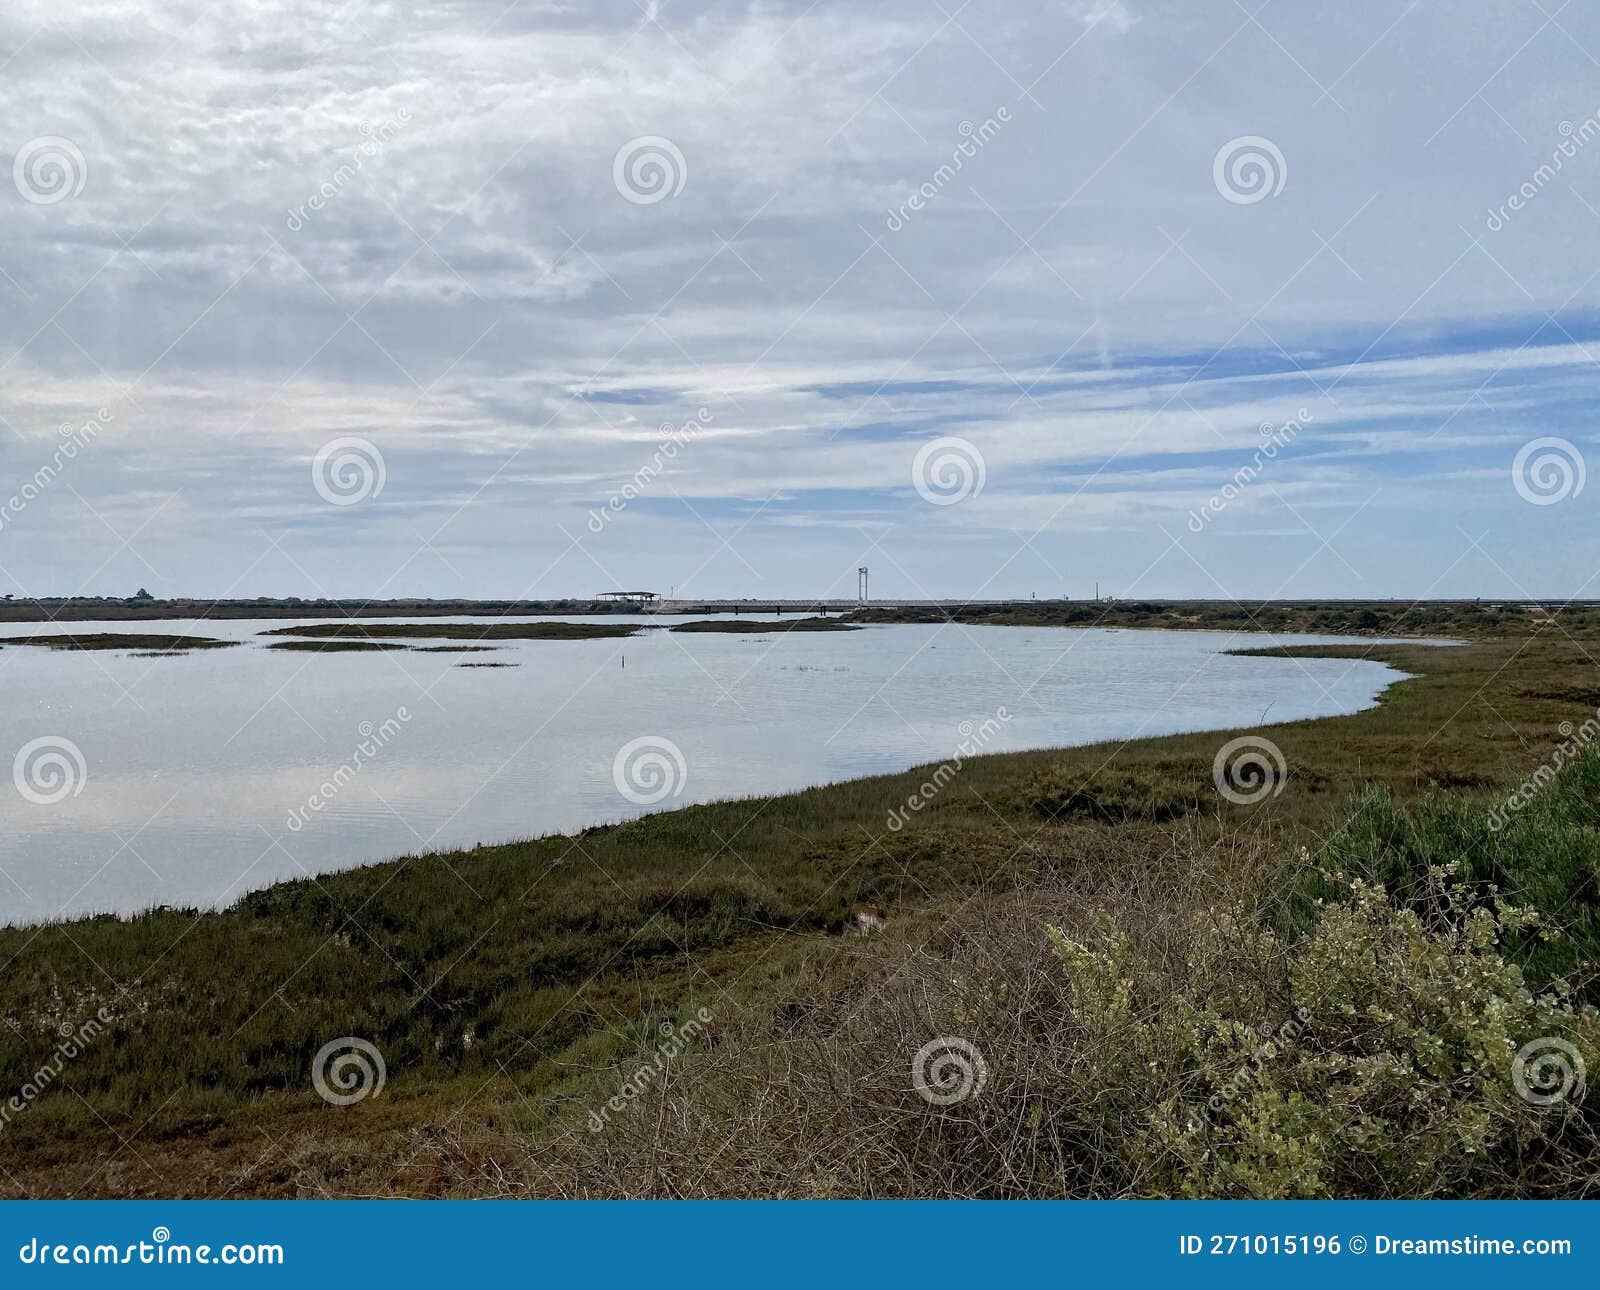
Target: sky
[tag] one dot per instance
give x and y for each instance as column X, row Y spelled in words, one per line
column 1232, row 300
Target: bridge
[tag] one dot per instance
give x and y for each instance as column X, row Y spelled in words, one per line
column 825, row 606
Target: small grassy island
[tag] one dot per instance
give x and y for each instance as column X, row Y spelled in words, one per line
column 335, row 645
column 458, row 631
column 147, row 644
column 744, row 627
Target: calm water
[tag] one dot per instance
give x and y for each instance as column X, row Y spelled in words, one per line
column 198, row 771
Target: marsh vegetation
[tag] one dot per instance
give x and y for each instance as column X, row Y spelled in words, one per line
column 459, row 631
column 148, row 643
column 750, row 627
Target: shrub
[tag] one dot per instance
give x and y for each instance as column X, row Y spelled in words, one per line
column 1393, row 1073
column 1544, row 855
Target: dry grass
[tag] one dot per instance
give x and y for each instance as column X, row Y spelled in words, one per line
column 815, row 1097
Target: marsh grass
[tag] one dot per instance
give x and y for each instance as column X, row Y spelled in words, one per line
column 747, row 627
column 1154, row 794
column 1357, row 618
column 458, row 631
column 335, row 646
column 147, row 643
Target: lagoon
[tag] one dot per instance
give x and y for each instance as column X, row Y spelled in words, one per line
column 190, row 780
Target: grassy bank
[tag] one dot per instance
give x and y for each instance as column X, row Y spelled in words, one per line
column 1349, row 618
column 508, row 987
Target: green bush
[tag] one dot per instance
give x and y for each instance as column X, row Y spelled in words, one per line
column 1544, row 856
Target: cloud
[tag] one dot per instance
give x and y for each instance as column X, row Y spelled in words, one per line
column 403, row 222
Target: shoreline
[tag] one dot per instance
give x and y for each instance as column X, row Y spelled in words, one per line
column 1330, row 650
column 1460, row 618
